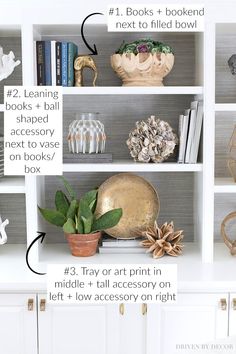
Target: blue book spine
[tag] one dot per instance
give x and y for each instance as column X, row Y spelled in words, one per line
column 72, row 52
column 64, row 62
column 48, row 74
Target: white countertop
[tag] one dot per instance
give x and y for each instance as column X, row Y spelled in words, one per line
column 193, row 276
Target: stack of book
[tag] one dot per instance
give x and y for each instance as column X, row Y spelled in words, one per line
column 55, row 63
column 112, row 246
column 190, row 125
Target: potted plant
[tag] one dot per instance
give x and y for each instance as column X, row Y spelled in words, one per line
column 78, row 218
column 144, row 62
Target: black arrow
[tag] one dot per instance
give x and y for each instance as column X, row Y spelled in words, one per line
column 42, row 236
column 94, row 49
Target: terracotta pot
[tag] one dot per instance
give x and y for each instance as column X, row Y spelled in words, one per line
column 83, row 245
column 142, row 69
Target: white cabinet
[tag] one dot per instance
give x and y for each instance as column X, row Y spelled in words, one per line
column 113, row 329
column 90, row 329
column 18, row 324
column 195, row 319
column 74, row 329
column 232, row 316
column 129, row 325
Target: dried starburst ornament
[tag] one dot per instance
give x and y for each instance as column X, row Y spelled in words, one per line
column 153, row 140
column 161, row 240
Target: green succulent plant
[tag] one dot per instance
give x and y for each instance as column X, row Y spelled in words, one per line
column 78, row 216
column 145, row 45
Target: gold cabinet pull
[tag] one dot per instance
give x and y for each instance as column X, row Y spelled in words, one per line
column 30, row 304
column 42, row 305
column 122, row 309
column 144, row 309
column 234, row 304
column 223, row 304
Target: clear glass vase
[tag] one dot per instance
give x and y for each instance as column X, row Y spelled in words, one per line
column 86, row 134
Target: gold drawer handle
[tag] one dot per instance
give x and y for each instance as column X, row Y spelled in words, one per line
column 223, row 304
column 234, row 304
column 42, row 305
column 30, row 304
column 122, row 309
column 144, row 309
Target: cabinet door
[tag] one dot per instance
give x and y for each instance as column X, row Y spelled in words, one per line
column 195, row 319
column 18, row 324
column 129, row 325
column 232, row 316
column 75, row 329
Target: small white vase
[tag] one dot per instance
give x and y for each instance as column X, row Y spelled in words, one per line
column 1, row 156
column 86, row 135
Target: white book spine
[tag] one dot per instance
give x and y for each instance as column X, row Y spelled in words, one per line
column 35, row 64
column 192, row 126
column 120, row 250
column 181, row 121
column 53, row 62
column 197, row 135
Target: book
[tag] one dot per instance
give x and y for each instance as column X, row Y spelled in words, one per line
column 185, row 132
column 35, row 63
column 109, row 243
column 191, row 130
column 64, row 63
column 197, row 134
column 40, row 60
column 181, row 123
column 53, row 63
column 48, row 76
column 72, row 52
column 122, row 250
column 58, row 64
column 87, row 158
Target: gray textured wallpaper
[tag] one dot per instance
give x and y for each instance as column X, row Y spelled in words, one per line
column 12, row 207
column 14, row 44
column 225, row 81
column 225, row 122
column 175, row 192
column 183, row 44
column 119, row 114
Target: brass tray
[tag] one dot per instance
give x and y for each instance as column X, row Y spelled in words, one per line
column 138, row 199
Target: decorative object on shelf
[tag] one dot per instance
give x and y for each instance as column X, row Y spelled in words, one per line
column 111, row 245
column 190, row 126
column 231, row 163
column 229, row 243
column 153, row 140
column 161, row 240
column 7, row 64
column 3, row 235
column 81, row 62
column 143, row 62
column 137, row 198
column 86, row 134
column 88, row 158
column 1, row 156
column 232, row 64
column 81, row 225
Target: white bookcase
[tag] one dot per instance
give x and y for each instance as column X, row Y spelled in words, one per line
column 188, row 80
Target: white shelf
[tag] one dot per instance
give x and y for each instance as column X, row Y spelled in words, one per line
column 1, row 107
column 225, row 185
column 192, row 274
column 131, row 167
column 12, row 185
column 225, row 107
column 120, row 90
